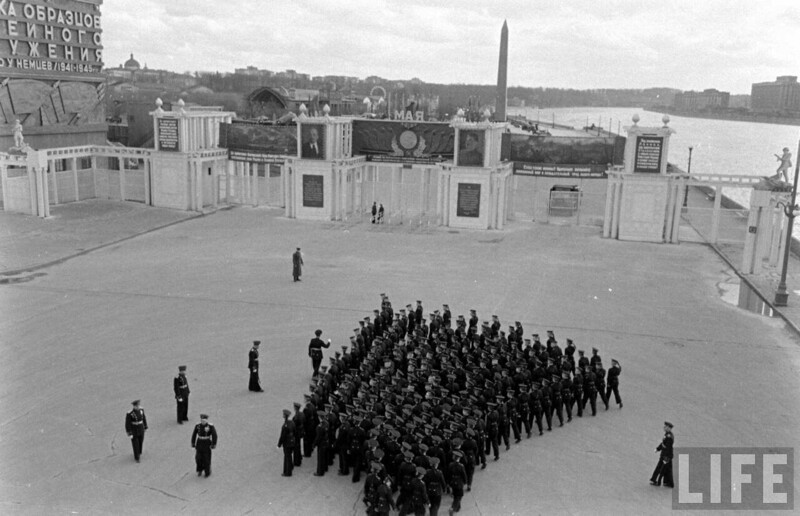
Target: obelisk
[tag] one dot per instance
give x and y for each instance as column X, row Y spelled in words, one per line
column 502, row 77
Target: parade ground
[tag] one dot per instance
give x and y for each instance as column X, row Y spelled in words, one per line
column 101, row 303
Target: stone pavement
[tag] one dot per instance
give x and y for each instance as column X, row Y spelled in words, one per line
column 85, row 335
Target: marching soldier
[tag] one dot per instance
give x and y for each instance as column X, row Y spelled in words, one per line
column 310, row 430
column 287, row 441
column 457, row 476
column 577, row 391
column 582, row 360
column 595, row 357
column 547, row 404
column 252, row 365
column 537, row 410
column 600, row 375
column 321, row 443
column 315, row 351
column 204, row 439
column 590, row 389
column 566, row 393
column 663, row 469
column 181, row 387
column 434, row 485
column 558, row 400
column 135, row 426
column 613, row 382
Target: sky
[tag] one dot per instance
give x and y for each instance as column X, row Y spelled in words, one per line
column 579, row 44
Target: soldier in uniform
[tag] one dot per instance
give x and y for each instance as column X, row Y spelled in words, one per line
column 418, row 499
column 204, row 439
column 383, row 502
column 321, row 443
column 299, row 421
column 135, row 426
column 435, row 485
column 310, row 430
column 537, row 410
column 613, row 382
column 181, row 387
column 600, row 375
column 582, row 360
column 663, row 469
column 315, row 351
column 457, row 477
column 297, row 265
column 287, row 441
column 557, row 399
column 595, row 357
column 566, row 393
column 252, row 365
column 590, row 389
column 547, row 404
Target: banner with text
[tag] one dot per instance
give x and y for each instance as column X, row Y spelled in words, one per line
column 560, row 156
column 403, row 141
column 50, row 37
column 253, row 142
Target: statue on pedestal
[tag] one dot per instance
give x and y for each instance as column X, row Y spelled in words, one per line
column 19, row 139
column 785, row 164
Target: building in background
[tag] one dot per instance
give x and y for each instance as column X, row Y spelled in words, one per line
column 702, row 100
column 780, row 97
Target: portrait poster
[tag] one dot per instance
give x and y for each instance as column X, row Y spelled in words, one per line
column 471, row 145
column 312, row 141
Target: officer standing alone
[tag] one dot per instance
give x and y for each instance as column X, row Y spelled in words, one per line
column 252, row 365
column 204, row 439
column 135, row 426
column 181, row 387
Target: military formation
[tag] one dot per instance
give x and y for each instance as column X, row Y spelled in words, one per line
column 418, row 405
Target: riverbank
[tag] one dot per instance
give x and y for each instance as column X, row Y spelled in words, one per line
column 733, row 117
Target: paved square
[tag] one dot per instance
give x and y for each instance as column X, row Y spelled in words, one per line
column 87, row 336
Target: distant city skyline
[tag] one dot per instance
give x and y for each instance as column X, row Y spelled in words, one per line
column 615, row 44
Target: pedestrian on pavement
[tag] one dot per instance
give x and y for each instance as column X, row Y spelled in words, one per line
column 380, row 214
column 315, row 351
column 663, row 471
column 135, row 426
column 287, row 441
column 252, row 365
column 374, row 212
column 297, row 265
column 204, row 439
column 613, row 382
column 181, row 387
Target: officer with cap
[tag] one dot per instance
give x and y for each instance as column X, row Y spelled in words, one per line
column 135, row 426
column 252, row 365
column 458, row 478
column 181, row 387
column 297, row 264
column 663, row 471
column 287, row 441
column 613, row 382
column 299, row 420
column 315, row 351
column 204, row 439
column 434, row 484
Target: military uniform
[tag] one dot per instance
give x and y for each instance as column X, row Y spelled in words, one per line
column 613, row 382
column 287, row 441
column 297, row 265
column 135, row 426
column 204, row 439
column 181, row 387
column 663, row 471
column 299, row 421
column 252, row 365
column 315, row 351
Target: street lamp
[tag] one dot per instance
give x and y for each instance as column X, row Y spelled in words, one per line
column 688, row 171
column 781, row 296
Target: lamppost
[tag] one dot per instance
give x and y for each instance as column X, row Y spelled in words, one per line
column 781, row 296
column 688, row 171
